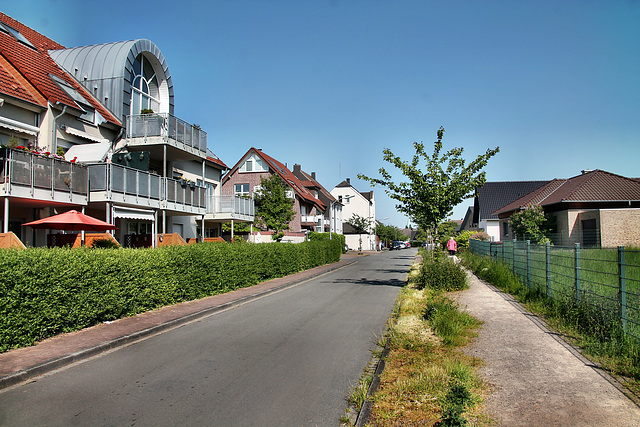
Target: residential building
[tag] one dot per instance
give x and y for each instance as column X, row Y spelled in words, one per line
column 244, row 179
column 361, row 204
column 331, row 218
column 595, row 208
column 101, row 119
column 492, row 196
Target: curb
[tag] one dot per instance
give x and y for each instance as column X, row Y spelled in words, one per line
column 24, row 375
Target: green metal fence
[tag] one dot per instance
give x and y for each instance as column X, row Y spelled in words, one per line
column 605, row 280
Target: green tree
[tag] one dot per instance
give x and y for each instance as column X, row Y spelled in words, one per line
column 433, row 190
column 361, row 225
column 530, row 223
column 274, row 210
column 389, row 232
column 445, row 232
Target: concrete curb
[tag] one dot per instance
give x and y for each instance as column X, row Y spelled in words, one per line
column 51, row 365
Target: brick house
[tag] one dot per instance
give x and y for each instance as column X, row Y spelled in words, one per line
column 331, row 219
column 595, row 208
column 243, row 178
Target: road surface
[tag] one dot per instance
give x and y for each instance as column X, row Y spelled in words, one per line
column 289, row 358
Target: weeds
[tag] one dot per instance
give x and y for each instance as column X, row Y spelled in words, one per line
column 427, row 379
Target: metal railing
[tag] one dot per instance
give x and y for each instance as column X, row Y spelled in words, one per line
column 184, row 193
column 24, row 169
column 605, row 280
column 167, row 127
column 120, row 179
column 235, row 205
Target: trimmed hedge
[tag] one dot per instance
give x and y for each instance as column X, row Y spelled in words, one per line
column 45, row 292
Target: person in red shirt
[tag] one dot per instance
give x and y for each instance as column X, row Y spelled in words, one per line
column 452, row 246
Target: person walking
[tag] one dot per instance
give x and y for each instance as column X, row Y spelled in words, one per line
column 452, row 246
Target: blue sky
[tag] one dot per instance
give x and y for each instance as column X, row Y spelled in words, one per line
column 329, row 84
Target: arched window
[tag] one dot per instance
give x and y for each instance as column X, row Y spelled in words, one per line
column 145, row 91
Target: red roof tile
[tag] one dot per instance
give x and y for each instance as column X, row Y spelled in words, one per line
column 289, row 178
column 35, row 66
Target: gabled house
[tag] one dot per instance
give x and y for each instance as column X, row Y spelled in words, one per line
column 361, row 204
column 92, row 128
column 331, row 219
column 595, row 208
column 244, row 179
column 492, row 196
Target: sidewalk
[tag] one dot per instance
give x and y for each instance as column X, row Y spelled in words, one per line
column 25, row 363
column 537, row 379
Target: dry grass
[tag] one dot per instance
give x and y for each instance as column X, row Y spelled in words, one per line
column 421, row 370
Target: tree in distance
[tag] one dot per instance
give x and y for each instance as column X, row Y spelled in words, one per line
column 361, row 225
column 433, row 190
column 274, row 210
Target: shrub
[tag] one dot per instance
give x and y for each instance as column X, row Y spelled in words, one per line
column 442, row 273
column 105, row 244
column 44, row 292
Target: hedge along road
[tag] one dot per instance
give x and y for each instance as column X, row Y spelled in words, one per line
column 288, row 358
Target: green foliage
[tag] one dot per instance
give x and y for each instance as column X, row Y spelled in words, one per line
column 238, row 227
column 360, row 224
column 445, row 231
column 390, row 233
column 105, row 244
column 441, row 273
column 44, row 292
column 315, row 236
column 530, row 223
column 462, row 239
column 274, row 210
column 433, row 190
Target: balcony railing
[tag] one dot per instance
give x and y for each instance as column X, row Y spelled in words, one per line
column 185, row 193
column 27, row 174
column 231, row 207
column 121, row 180
column 169, row 129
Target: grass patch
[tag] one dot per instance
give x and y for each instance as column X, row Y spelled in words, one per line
column 427, row 378
column 586, row 325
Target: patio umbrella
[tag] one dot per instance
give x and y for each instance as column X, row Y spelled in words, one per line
column 72, row 221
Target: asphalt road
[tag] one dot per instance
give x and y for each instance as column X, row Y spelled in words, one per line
column 285, row 359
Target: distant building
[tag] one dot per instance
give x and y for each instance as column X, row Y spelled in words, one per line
column 362, row 204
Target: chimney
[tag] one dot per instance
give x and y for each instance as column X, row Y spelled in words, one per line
column 349, row 181
column 296, row 168
column 313, row 175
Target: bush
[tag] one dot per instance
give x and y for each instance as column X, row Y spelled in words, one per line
column 315, row 236
column 441, row 273
column 105, row 244
column 44, row 292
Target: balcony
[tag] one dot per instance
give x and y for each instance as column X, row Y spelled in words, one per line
column 115, row 183
column 229, row 208
column 28, row 175
column 184, row 196
column 132, row 187
column 148, row 130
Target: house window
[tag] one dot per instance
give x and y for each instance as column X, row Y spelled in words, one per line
column 16, row 34
column 145, row 92
column 242, row 190
column 339, row 199
column 253, row 164
column 505, row 229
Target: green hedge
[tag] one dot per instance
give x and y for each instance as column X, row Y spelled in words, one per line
column 44, row 292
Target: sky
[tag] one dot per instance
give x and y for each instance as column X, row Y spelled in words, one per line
column 329, row 84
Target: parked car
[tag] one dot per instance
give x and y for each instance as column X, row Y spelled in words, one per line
column 396, row 244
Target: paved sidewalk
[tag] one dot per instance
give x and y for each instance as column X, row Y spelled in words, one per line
column 24, row 363
column 537, row 378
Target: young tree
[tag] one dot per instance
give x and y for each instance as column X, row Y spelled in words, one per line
column 274, row 210
column 433, row 190
column 530, row 223
column 361, row 225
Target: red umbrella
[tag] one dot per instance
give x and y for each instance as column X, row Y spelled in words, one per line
column 72, row 221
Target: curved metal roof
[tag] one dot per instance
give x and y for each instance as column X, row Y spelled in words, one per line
column 106, row 70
